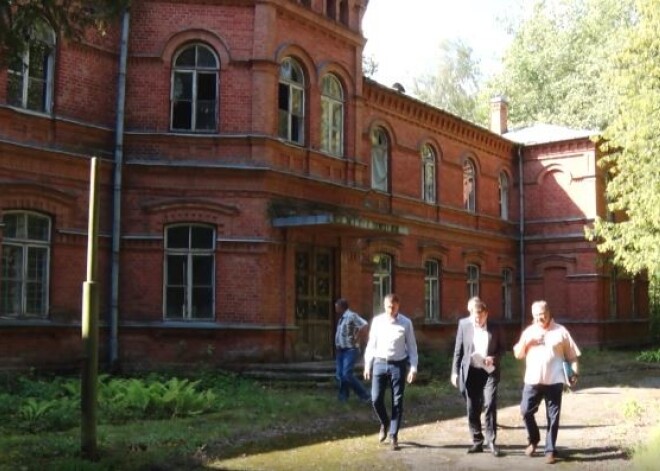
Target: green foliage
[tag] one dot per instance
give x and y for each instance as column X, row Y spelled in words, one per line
column 68, row 18
column 631, row 232
column 649, row 356
column 552, row 70
column 454, row 86
column 632, row 410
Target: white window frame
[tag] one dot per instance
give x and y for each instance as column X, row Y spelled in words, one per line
column 507, row 293
column 291, row 102
column 473, row 280
column 429, row 181
column 188, row 283
column 190, row 94
column 41, row 51
column 504, row 196
column 24, row 290
column 380, row 178
column 332, row 116
column 382, row 280
column 469, row 186
column 432, row 290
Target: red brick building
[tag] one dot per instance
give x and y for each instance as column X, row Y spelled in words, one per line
column 250, row 175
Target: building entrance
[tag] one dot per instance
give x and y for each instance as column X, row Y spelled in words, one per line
column 314, row 303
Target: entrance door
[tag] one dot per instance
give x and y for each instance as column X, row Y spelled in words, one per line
column 314, row 308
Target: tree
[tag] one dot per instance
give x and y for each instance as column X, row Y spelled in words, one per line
column 455, row 85
column 552, row 70
column 633, row 143
column 68, row 18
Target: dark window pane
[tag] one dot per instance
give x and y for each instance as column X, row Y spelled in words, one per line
column 202, row 237
column 182, row 115
column 186, row 58
column 36, row 95
column 205, row 58
column 38, row 228
column 15, row 90
column 183, row 82
column 283, row 98
column 175, row 303
column 202, row 304
column 202, row 271
column 178, row 237
column 206, row 86
column 176, row 270
column 205, row 119
column 11, row 225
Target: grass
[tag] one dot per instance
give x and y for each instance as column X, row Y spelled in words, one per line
column 244, row 418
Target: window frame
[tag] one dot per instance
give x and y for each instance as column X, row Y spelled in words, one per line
column 27, row 246
column 429, row 176
column 189, row 285
column 380, row 150
column 507, row 293
column 503, row 182
column 469, row 186
column 332, row 115
column 432, row 290
column 291, row 118
column 42, row 36
column 473, row 279
column 196, row 72
column 382, row 280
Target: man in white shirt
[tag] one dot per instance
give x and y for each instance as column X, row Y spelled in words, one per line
column 476, row 373
column 545, row 345
column 390, row 357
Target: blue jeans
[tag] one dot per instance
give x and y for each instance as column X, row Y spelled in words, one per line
column 394, row 373
column 345, row 365
column 532, row 395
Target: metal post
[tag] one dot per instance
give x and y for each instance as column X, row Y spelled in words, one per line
column 89, row 326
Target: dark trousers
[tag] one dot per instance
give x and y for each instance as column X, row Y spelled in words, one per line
column 393, row 373
column 345, row 363
column 532, row 395
column 481, row 395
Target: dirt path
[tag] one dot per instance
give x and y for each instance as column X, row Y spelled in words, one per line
column 600, row 425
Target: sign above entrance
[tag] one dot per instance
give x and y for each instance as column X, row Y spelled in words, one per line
column 339, row 221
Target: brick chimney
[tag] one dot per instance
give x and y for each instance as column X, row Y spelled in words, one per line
column 499, row 114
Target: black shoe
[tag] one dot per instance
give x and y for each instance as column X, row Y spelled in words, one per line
column 476, row 448
column 495, row 450
column 382, row 435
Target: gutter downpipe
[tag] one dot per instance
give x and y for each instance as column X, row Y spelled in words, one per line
column 117, row 192
column 521, row 234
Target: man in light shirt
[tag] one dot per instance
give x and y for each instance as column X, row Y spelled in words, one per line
column 476, row 372
column 390, row 358
column 350, row 329
column 545, row 345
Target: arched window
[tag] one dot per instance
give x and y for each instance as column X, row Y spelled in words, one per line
column 504, row 196
column 194, row 97
column 432, row 290
column 25, row 265
column 469, row 186
column 507, row 289
column 428, row 174
column 379, row 160
column 332, row 116
column 291, row 102
column 30, row 76
column 472, row 281
column 189, row 284
column 382, row 280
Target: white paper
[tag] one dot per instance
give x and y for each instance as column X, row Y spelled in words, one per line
column 480, row 362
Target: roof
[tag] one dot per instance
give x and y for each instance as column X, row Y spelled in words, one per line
column 546, row 133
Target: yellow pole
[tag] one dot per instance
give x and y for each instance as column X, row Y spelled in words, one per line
column 89, row 327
